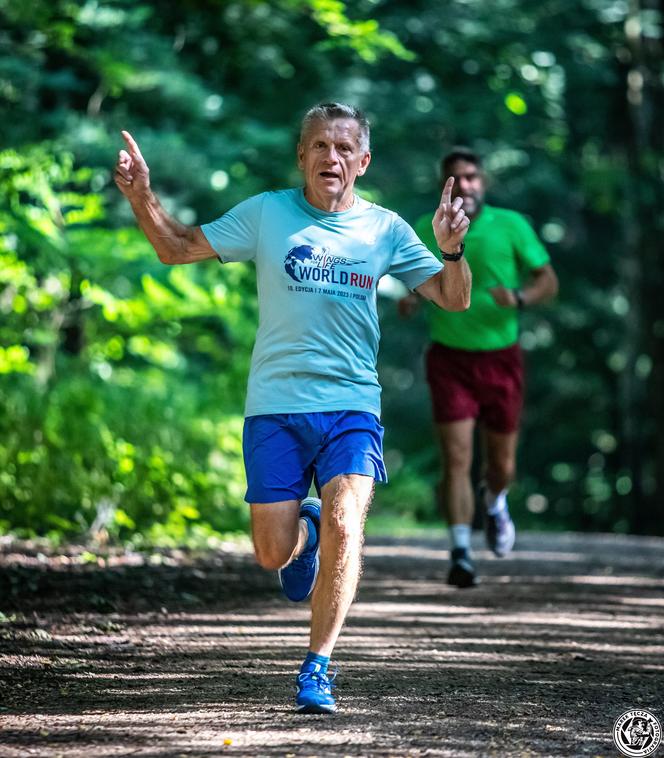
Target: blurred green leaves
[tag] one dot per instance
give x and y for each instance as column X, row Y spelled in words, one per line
column 364, row 36
column 111, row 395
column 122, row 381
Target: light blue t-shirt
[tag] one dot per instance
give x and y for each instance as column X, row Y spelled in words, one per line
column 317, row 273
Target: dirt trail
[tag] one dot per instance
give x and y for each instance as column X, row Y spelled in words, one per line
column 185, row 655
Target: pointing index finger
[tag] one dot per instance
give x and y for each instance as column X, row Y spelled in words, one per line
column 446, row 197
column 133, row 147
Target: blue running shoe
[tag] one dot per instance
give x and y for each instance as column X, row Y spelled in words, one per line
column 298, row 578
column 314, row 691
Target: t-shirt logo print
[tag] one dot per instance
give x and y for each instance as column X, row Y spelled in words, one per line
column 297, row 255
column 307, row 263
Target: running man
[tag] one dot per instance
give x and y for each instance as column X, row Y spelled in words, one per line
column 313, row 398
column 474, row 364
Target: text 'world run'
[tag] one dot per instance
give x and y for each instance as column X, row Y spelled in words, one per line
column 364, row 281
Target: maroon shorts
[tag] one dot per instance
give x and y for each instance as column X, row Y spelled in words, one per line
column 484, row 385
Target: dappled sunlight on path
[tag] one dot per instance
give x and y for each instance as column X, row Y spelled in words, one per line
column 557, row 641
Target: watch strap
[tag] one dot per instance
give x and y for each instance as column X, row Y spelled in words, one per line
column 453, row 256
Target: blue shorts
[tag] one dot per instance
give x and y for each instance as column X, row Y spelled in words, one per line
column 283, row 452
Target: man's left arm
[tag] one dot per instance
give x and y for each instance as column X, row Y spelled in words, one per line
column 450, row 288
column 542, row 286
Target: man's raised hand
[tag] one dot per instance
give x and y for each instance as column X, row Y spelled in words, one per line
column 450, row 222
column 132, row 175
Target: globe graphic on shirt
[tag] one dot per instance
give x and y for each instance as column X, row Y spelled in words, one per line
column 296, row 255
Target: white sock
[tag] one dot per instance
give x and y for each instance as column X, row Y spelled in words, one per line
column 495, row 503
column 460, row 536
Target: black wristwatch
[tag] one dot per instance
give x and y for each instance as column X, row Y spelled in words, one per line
column 520, row 302
column 453, row 256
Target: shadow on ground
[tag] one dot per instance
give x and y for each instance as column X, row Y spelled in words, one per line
column 194, row 655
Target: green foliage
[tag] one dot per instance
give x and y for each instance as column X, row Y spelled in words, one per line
column 122, row 381
column 113, row 412
column 365, row 37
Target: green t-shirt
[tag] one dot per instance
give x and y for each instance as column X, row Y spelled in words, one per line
column 501, row 247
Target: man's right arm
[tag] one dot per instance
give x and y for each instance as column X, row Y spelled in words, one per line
column 174, row 242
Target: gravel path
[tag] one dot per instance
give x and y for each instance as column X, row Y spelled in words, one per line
column 178, row 654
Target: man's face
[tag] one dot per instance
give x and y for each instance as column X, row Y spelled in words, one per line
column 331, row 159
column 468, row 185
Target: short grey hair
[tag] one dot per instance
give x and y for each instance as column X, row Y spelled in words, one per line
column 330, row 111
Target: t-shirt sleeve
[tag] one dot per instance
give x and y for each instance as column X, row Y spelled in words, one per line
column 412, row 262
column 530, row 252
column 234, row 236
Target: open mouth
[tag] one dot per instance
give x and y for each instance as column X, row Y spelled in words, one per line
column 328, row 175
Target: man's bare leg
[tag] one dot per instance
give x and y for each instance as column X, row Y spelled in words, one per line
column 499, row 459
column 346, row 500
column 456, row 447
column 499, row 468
column 280, row 536
column 278, row 532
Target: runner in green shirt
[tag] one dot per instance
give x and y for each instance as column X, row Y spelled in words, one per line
column 474, row 364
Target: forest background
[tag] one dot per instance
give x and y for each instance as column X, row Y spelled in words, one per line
column 122, row 380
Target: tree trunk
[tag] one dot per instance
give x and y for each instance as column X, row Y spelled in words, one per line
column 643, row 396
